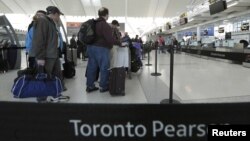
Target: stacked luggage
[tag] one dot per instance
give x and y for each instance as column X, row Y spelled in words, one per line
column 119, row 61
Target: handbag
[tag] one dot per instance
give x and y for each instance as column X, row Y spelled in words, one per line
column 40, row 85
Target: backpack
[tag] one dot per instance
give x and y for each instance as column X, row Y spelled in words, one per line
column 87, row 33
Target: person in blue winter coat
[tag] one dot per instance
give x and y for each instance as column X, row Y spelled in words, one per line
column 29, row 37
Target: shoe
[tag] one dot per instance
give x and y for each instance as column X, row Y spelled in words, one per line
column 59, row 99
column 42, row 99
column 64, row 89
column 104, row 90
column 89, row 90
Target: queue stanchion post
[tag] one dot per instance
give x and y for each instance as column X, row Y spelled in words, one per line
column 171, row 81
column 156, row 73
column 148, row 60
column 143, row 55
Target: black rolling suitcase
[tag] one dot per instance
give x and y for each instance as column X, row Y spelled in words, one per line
column 28, row 70
column 4, row 65
column 12, row 56
column 117, row 82
column 69, row 70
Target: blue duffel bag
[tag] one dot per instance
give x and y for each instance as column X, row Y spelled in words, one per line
column 39, row 85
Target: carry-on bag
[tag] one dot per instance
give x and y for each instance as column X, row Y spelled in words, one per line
column 117, row 81
column 27, row 70
column 12, row 56
column 72, row 55
column 4, row 65
column 69, row 66
column 69, row 69
column 40, row 85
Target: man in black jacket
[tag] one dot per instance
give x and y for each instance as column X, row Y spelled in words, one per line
column 99, row 53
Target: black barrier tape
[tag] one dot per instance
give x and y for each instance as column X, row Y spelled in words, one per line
column 111, row 122
column 8, row 48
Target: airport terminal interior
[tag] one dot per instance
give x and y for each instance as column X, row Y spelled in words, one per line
column 211, row 59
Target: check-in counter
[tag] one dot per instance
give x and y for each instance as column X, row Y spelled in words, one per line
column 229, row 49
column 229, row 53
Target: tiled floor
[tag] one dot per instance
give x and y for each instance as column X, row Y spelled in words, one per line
column 195, row 80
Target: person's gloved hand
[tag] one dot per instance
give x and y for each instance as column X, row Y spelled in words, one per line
column 40, row 62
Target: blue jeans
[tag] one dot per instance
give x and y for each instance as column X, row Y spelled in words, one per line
column 99, row 57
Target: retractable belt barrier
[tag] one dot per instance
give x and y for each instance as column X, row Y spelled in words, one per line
column 148, row 64
column 156, row 63
column 171, row 80
column 8, row 48
column 111, row 122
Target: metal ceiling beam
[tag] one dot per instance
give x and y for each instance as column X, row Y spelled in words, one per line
column 83, row 8
column 126, row 20
column 153, row 22
column 20, row 7
column 96, row 4
column 100, row 3
column 92, row 5
column 165, row 3
column 155, row 11
column 7, row 6
column 55, row 4
column 88, row 8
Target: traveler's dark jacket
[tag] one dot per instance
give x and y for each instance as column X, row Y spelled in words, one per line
column 73, row 43
column 104, row 34
column 45, row 39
